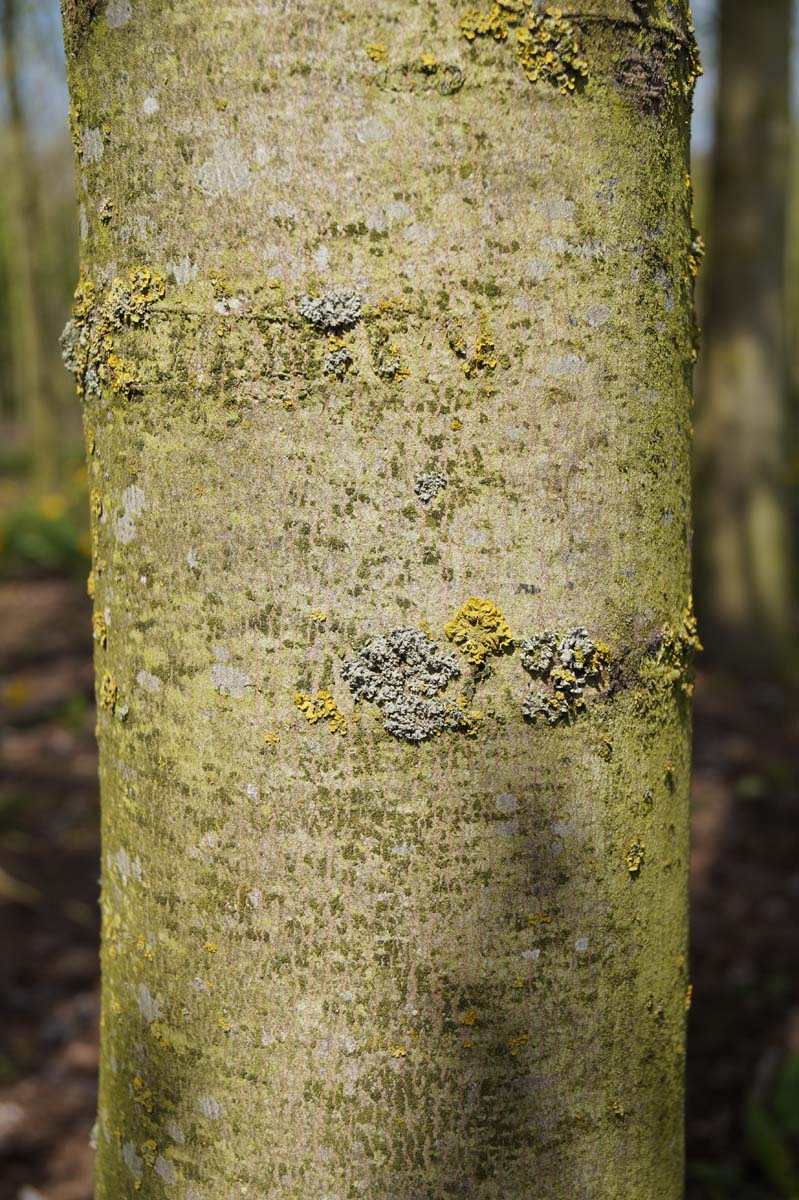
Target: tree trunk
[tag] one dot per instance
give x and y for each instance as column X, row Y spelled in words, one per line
column 20, row 192
column 384, row 336
column 745, row 555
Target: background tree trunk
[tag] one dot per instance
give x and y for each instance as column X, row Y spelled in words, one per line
column 25, row 304
column 372, row 324
column 745, row 547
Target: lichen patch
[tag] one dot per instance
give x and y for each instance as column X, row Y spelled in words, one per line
column 564, row 666
column 403, row 674
column 480, row 630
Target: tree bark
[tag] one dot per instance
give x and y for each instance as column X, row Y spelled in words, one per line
column 384, row 337
column 745, row 547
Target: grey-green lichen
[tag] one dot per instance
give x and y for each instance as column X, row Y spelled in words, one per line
column 565, row 665
column 70, row 347
column 337, row 361
column 340, row 308
column 403, row 674
column 429, row 484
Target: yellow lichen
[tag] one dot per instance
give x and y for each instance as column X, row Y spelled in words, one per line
column 100, row 629
column 549, row 50
column 84, row 299
column 473, row 718
column 696, row 254
column 321, row 707
column 271, row 738
column 547, row 44
column 130, row 300
column 482, row 357
column 475, row 23
column 480, row 630
column 634, row 858
column 377, row 51
column 516, row 1043
column 469, row 1017
column 120, row 374
column 674, row 658
column 107, row 693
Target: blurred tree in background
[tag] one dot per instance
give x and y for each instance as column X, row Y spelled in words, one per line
column 745, row 552
column 42, row 485
column 26, row 310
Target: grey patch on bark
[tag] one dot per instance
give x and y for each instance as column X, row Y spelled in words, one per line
column 210, row 1107
column 150, row 683
column 118, row 13
column 564, row 364
column 148, row 1005
column 507, row 828
column 226, row 172
column 597, row 315
column 372, row 130
column 131, row 1159
column 556, row 209
column 126, row 867
column 133, row 505
column 165, row 1169
column 228, row 681
column 402, row 673
column 378, row 220
column 425, row 235
column 91, row 146
column 340, row 308
column 537, row 270
column 183, row 272
column 429, row 484
column 175, row 1132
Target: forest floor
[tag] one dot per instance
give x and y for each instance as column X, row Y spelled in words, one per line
column 743, row 1047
